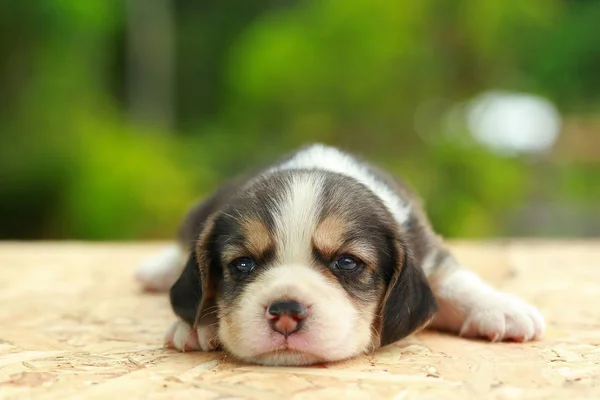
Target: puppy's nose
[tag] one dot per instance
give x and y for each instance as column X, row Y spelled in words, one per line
column 286, row 317
column 290, row 308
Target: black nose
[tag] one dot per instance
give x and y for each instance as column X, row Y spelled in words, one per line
column 292, row 309
column 286, row 317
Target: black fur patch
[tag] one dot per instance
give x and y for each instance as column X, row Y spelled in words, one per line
column 409, row 303
column 186, row 293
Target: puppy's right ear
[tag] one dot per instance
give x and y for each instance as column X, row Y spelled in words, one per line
column 186, row 293
column 193, row 295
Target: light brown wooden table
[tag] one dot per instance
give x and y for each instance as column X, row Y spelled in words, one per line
column 74, row 324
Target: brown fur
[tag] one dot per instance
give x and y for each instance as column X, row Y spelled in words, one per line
column 258, row 238
column 330, row 234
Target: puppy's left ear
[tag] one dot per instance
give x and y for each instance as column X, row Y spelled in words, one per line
column 409, row 302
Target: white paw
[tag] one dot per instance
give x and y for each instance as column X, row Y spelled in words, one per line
column 500, row 317
column 161, row 271
column 183, row 338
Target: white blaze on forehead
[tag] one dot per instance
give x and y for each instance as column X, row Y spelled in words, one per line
column 297, row 216
column 325, row 158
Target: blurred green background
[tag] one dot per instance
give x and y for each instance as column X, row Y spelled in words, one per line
column 116, row 115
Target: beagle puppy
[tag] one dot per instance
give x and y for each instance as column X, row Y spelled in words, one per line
column 319, row 258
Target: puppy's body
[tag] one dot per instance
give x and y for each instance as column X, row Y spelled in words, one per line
column 320, row 258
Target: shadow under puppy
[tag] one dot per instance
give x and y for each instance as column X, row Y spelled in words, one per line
column 320, row 258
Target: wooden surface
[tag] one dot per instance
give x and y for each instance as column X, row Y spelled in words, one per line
column 73, row 324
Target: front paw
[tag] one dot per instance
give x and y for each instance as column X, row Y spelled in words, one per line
column 502, row 317
column 183, row 338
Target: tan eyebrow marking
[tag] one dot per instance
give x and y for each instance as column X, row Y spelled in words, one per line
column 329, row 235
column 258, row 238
column 330, row 239
column 256, row 242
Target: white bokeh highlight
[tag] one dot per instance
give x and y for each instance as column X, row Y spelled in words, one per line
column 513, row 123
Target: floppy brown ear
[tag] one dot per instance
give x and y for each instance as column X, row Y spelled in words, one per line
column 193, row 295
column 409, row 302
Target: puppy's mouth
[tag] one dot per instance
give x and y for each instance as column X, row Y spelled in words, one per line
column 293, row 345
column 291, row 356
column 283, row 350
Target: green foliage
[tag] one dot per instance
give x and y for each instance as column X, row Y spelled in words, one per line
column 255, row 79
column 122, row 183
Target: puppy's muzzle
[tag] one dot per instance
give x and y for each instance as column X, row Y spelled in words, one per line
column 286, row 317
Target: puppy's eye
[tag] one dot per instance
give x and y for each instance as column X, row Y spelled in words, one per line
column 346, row 263
column 243, row 264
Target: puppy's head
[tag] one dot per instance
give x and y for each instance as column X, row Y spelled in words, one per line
column 307, row 267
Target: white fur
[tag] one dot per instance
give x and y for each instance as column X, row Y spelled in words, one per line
column 183, row 338
column 473, row 309
column 161, row 271
column 330, row 159
column 428, row 263
column 296, row 218
column 334, row 329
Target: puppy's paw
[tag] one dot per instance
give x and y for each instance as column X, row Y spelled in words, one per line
column 183, row 338
column 501, row 317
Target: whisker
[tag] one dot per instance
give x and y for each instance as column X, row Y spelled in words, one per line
column 231, row 216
